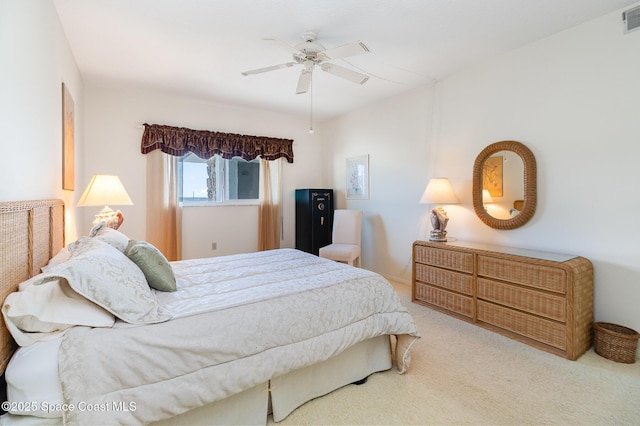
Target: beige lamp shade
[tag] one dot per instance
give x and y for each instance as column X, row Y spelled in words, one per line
column 486, row 197
column 102, row 191
column 439, row 191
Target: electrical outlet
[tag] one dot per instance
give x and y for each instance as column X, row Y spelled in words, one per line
column 214, row 246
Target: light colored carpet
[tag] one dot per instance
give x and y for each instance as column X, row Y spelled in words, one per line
column 461, row 374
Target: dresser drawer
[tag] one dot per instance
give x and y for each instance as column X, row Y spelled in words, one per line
column 529, row 274
column 454, row 260
column 536, row 328
column 446, row 299
column 524, row 299
column 451, row 280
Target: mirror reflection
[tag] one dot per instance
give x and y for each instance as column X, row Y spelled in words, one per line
column 503, row 180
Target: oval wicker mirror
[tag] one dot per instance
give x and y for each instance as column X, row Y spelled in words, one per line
column 524, row 213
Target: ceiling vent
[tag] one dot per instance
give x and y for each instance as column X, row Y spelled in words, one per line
column 631, row 19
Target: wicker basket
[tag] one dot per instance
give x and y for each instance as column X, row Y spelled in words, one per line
column 616, row 342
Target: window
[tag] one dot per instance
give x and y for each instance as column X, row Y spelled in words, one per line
column 217, row 180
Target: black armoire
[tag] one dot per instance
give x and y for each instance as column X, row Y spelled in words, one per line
column 314, row 219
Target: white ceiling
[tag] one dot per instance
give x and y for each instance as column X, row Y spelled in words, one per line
column 198, row 48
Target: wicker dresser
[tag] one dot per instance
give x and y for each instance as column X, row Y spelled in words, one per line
column 539, row 298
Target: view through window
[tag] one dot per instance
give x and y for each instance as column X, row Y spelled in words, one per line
column 217, row 180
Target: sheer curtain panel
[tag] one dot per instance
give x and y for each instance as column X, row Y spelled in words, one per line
column 270, row 212
column 164, row 214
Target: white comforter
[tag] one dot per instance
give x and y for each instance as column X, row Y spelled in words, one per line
column 238, row 321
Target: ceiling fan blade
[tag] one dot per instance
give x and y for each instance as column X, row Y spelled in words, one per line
column 283, row 45
column 351, row 49
column 271, row 68
column 345, row 73
column 303, row 82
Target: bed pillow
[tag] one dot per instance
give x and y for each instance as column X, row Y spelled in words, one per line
column 110, row 236
column 62, row 256
column 45, row 307
column 154, row 265
column 104, row 275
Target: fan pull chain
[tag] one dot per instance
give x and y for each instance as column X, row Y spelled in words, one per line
column 311, row 104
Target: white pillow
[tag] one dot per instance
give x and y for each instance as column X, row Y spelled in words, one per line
column 110, row 236
column 61, row 257
column 108, row 278
column 45, row 307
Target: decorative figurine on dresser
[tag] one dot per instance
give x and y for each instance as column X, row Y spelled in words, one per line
column 439, row 220
column 539, row 298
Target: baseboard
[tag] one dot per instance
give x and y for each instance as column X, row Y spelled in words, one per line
column 398, row 280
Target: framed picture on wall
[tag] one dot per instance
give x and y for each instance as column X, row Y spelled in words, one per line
column 68, row 178
column 358, row 178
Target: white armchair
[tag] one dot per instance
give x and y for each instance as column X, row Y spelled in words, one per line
column 346, row 235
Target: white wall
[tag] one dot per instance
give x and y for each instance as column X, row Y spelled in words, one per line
column 573, row 99
column 394, row 133
column 113, row 120
column 36, row 59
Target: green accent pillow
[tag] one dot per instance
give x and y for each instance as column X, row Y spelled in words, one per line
column 154, row 265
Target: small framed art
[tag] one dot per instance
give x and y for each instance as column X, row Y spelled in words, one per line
column 358, row 178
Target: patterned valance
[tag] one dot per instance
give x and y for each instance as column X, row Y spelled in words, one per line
column 205, row 144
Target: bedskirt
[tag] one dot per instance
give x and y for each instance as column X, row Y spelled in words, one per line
column 279, row 396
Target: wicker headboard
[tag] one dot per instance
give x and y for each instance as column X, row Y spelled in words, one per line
column 31, row 232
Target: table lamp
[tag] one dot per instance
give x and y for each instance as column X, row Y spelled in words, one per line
column 105, row 190
column 439, row 191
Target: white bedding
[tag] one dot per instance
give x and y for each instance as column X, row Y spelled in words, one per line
column 238, row 321
column 33, row 384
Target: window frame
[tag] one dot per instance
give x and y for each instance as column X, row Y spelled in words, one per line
column 225, row 185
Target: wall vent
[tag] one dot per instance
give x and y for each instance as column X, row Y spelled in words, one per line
column 631, row 19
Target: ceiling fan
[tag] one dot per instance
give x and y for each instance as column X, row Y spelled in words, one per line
column 310, row 53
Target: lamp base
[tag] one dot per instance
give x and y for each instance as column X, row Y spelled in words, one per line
column 438, row 236
column 112, row 218
column 439, row 222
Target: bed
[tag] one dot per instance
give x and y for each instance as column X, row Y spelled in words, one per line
column 243, row 335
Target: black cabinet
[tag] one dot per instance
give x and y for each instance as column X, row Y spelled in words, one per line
column 314, row 219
